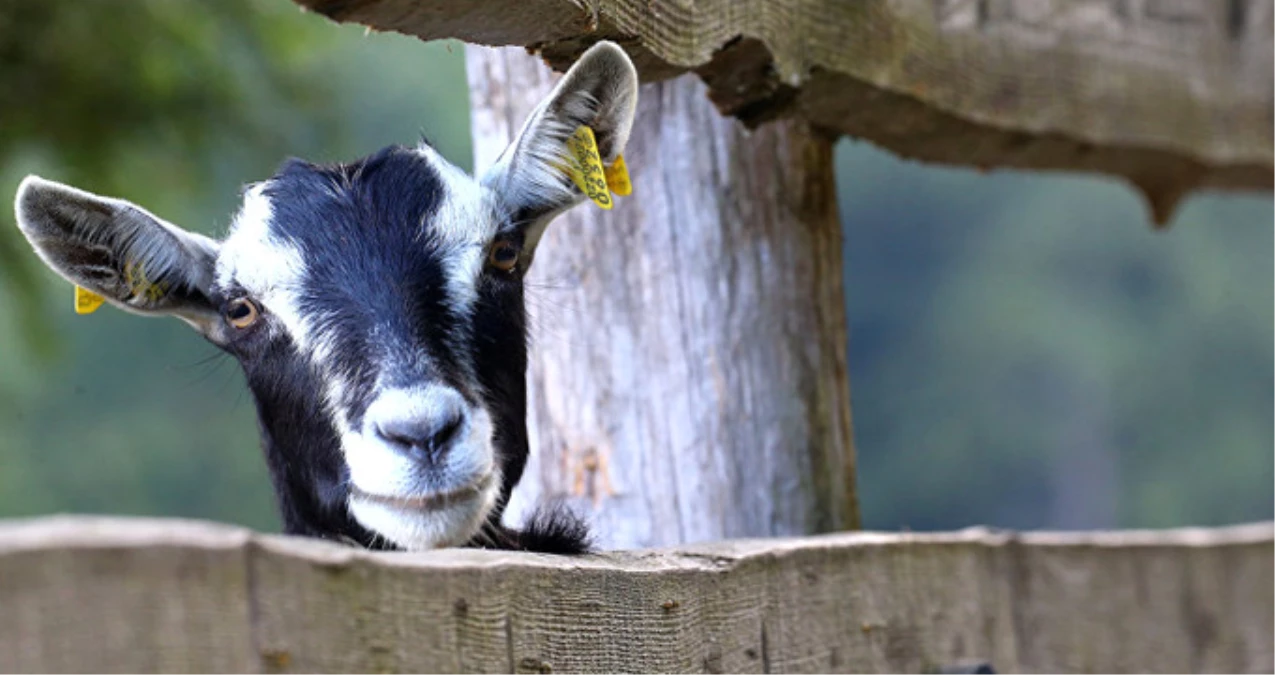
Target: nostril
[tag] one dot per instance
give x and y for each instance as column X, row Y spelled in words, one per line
column 396, row 435
column 447, row 431
column 429, row 436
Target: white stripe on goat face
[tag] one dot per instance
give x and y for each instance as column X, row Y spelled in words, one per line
column 372, row 273
column 264, row 266
column 461, row 228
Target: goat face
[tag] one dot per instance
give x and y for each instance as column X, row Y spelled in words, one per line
column 376, row 308
column 394, row 282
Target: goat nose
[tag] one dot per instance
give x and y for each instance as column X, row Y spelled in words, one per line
column 428, row 435
column 423, row 431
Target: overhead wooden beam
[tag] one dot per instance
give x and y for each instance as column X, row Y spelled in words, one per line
column 1171, row 95
column 134, row 595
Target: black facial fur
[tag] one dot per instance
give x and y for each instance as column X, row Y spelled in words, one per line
column 359, row 229
column 301, row 447
column 363, row 231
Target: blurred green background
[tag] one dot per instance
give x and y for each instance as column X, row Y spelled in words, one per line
column 1025, row 351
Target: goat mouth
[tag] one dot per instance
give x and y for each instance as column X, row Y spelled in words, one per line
column 432, row 501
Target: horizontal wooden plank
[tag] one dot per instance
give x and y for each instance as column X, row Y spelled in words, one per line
column 1171, row 95
column 138, row 595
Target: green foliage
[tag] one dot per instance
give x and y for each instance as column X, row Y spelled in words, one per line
column 1024, row 350
column 82, row 84
column 173, row 105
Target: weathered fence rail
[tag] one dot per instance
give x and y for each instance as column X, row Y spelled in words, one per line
column 110, row 594
column 1172, row 95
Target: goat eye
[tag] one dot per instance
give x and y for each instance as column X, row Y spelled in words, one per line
column 241, row 313
column 503, row 255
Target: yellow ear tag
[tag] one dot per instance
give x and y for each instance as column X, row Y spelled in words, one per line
column 139, row 285
column 86, row 301
column 618, row 178
column 586, row 169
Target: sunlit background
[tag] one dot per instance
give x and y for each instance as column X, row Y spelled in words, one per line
column 1024, row 350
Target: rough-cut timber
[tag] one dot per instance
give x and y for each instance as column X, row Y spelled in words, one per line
column 1169, row 94
column 688, row 364
column 131, row 595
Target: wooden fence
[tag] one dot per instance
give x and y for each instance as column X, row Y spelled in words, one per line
column 113, row 594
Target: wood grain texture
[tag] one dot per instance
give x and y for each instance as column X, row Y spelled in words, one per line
column 137, row 595
column 1171, row 95
column 688, row 365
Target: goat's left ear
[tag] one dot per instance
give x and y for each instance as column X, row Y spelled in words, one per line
column 600, row 91
column 119, row 251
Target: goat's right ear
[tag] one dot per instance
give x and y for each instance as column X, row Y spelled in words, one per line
column 600, row 91
column 119, row 251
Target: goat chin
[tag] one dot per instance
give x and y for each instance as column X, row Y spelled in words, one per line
column 413, row 528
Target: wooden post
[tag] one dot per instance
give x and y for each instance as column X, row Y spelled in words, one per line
column 688, row 377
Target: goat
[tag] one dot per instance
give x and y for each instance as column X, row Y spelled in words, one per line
column 376, row 308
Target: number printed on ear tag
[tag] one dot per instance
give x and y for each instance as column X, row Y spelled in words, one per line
column 86, row 301
column 586, row 168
